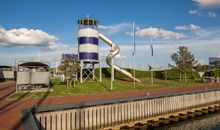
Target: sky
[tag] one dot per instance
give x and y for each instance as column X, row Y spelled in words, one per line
column 33, row 30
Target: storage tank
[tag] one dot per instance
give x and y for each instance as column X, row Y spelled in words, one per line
column 88, row 43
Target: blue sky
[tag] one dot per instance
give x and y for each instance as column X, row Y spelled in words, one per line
column 33, row 30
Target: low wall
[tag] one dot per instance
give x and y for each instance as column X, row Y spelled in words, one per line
column 101, row 115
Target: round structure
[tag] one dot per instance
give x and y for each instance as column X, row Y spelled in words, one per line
column 88, row 43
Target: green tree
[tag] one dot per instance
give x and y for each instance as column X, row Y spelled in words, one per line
column 184, row 62
column 70, row 68
column 216, row 64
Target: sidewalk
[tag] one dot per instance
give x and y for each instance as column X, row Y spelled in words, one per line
column 10, row 110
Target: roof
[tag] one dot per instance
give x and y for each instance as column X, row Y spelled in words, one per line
column 5, row 66
column 33, row 64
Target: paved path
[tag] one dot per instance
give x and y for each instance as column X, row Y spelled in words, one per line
column 10, row 110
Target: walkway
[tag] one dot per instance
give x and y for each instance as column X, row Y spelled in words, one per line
column 10, row 110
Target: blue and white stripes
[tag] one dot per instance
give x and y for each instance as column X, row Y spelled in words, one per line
column 88, row 44
column 88, row 40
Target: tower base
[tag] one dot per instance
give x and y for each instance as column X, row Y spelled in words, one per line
column 87, row 71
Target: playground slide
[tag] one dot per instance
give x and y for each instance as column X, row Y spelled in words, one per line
column 111, row 55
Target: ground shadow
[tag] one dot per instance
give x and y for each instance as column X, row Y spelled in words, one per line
column 18, row 125
column 4, row 88
column 106, row 87
column 7, row 95
column 106, row 73
column 4, row 108
column 2, row 80
column 124, row 79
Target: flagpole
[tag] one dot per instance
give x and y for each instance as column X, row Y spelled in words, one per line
column 151, row 61
column 152, row 72
column 134, row 53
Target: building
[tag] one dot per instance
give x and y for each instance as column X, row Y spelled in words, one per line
column 69, row 56
column 33, row 76
column 6, row 73
column 214, row 61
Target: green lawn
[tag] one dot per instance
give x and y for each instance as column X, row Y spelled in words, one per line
column 60, row 89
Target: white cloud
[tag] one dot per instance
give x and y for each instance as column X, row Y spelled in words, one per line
column 207, row 33
column 51, row 57
column 158, row 33
column 194, row 12
column 208, row 3
column 119, row 56
column 205, row 4
column 55, row 45
column 112, row 29
column 28, row 37
column 202, row 13
column 25, row 36
column 188, row 27
column 211, row 14
column 202, row 33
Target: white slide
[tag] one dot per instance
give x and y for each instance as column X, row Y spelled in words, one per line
column 111, row 55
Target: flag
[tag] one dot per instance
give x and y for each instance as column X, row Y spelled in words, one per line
column 152, row 49
column 149, row 67
column 151, row 45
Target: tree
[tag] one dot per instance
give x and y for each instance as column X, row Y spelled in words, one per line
column 70, row 68
column 216, row 64
column 184, row 62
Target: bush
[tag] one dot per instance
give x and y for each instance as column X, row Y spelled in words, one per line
column 175, row 74
column 172, row 74
column 160, row 74
column 216, row 73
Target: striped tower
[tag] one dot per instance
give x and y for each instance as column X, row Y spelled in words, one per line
column 88, row 48
column 88, row 45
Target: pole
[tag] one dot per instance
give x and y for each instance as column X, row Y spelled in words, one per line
column 152, row 72
column 112, row 69
column 100, row 72
column 134, row 53
column 93, row 71
column 81, row 72
column 134, row 70
column 56, row 66
column 15, row 70
column 151, row 61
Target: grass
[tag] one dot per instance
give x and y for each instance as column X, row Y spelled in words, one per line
column 60, row 89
